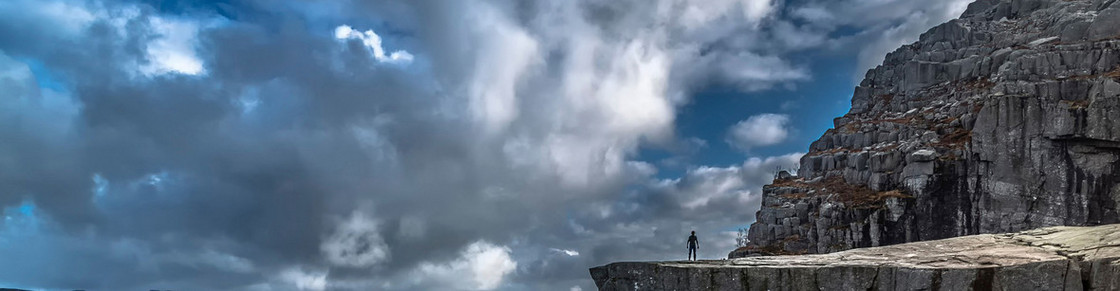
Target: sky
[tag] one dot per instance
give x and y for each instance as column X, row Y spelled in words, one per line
column 407, row 145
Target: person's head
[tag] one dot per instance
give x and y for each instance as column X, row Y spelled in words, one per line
column 693, row 232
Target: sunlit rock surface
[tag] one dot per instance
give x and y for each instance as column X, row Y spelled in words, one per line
column 1054, row 258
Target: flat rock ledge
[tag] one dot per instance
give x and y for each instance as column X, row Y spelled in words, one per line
column 1052, row 258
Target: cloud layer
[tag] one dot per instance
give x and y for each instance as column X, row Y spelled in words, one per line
column 300, row 145
column 759, row 130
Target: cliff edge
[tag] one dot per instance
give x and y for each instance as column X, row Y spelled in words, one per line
column 1054, row 258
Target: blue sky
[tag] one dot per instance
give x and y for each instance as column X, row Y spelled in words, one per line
column 811, row 106
column 406, row 145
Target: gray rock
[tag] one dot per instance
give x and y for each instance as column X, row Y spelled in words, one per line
column 1054, row 258
column 984, row 125
column 924, row 155
column 1107, row 24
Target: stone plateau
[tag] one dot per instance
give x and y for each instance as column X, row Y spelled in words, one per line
column 1054, row 258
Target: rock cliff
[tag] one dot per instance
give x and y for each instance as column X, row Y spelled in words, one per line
column 1005, row 119
column 1055, row 258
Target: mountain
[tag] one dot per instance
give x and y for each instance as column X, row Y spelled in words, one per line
column 1005, row 119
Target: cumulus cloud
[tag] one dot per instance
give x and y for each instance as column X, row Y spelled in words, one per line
column 480, row 266
column 304, row 280
column 893, row 23
column 739, row 185
column 172, row 50
column 653, row 222
column 372, row 41
column 759, row 130
column 261, row 146
column 355, row 242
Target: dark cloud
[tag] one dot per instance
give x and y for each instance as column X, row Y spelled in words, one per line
column 172, row 145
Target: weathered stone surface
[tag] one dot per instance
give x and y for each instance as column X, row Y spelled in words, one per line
column 1054, row 258
column 1005, row 119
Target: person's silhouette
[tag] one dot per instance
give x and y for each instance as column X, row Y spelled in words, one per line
column 693, row 244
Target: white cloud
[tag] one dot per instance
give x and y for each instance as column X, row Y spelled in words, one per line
column 481, row 266
column 706, row 183
column 905, row 32
column 173, row 49
column 504, row 54
column 569, row 96
column 812, row 13
column 740, row 184
column 355, row 242
column 759, row 130
column 305, row 280
column 699, row 14
column 171, row 46
column 569, row 253
column 757, row 9
column 372, row 41
column 760, row 171
column 893, row 23
column 529, row 97
column 204, row 259
column 66, row 18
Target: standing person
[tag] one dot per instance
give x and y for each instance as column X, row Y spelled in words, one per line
column 693, row 244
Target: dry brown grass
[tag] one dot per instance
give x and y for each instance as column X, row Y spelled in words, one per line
column 797, row 195
column 1114, row 74
column 887, row 98
column 1076, row 104
column 956, row 139
column 854, row 196
column 796, row 182
column 979, row 84
column 857, row 196
column 912, row 119
column 828, row 152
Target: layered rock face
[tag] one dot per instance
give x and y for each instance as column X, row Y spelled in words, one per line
column 1056, row 258
column 1005, row 119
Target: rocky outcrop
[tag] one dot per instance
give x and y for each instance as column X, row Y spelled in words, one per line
column 1055, row 258
column 1005, row 119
